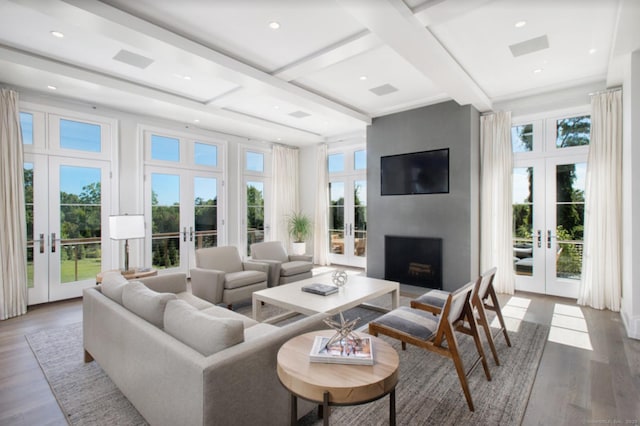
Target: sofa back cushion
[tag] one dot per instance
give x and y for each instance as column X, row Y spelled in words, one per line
column 204, row 333
column 146, row 303
column 113, row 284
column 270, row 250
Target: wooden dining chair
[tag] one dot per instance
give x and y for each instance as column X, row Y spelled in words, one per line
column 433, row 301
column 436, row 333
column 490, row 293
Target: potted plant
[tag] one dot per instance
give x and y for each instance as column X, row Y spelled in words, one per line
column 300, row 228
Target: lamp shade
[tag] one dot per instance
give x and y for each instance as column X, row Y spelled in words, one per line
column 126, row 227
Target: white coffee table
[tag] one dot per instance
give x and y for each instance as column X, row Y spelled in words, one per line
column 359, row 289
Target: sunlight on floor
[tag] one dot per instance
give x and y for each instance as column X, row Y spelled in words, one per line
column 568, row 327
column 322, row 270
column 513, row 312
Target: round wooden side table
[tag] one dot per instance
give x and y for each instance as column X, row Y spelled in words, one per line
column 337, row 384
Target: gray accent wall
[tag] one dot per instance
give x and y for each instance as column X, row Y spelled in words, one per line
column 454, row 217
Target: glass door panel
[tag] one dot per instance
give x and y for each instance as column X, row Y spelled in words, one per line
column 360, row 218
column 523, row 233
column 255, row 226
column 165, row 221
column 205, row 209
column 336, row 218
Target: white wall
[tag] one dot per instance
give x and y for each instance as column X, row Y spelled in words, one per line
column 631, row 196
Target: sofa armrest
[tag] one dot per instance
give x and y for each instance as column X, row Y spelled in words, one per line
column 168, row 283
column 302, row 257
column 255, row 266
column 273, row 276
column 207, row 284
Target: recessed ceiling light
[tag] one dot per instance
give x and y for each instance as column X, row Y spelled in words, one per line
column 276, row 107
column 186, row 77
column 537, row 71
column 51, row 87
column 279, row 139
column 196, row 121
column 274, row 25
column 57, row 34
column 520, row 24
column 363, row 77
column 592, row 51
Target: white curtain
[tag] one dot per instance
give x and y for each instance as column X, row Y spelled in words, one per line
column 13, row 234
column 321, row 220
column 601, row 270
column 285, row 191
column 496, row 164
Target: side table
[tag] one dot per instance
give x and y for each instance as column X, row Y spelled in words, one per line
column 130, row 275
column 337, row 384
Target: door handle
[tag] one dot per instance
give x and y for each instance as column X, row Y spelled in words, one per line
column 539, row 238
column 41, row 243
column 351, row 229
column 548, row 238
column 191, row 233
column 53, row 242
column 184, row 234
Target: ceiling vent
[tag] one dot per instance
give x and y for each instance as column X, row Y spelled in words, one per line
column 133, row 59
column 299, row 114
column 529, row 46
column 385, row 89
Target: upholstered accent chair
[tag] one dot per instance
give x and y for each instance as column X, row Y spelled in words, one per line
column 220, row 276
column 436, row 333
column 434, row 300
column 283, row 268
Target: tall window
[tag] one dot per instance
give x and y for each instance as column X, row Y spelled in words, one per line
column 257, row 179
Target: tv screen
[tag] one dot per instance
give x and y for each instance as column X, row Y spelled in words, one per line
column 425, row 172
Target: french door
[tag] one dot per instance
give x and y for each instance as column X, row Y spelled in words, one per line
column 256, row 224
column 548, row 218
column 348, row 221
column 67, row 209
column 183, row 207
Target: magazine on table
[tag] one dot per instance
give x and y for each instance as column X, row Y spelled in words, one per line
column 343, row 351
column 321, row 289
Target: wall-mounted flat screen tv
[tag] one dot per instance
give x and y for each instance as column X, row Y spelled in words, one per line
column 425, row 172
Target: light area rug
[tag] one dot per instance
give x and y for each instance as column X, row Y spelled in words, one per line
column 428, row 391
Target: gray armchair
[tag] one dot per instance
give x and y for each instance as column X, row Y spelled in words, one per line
column 220, row 276
column 283, row 268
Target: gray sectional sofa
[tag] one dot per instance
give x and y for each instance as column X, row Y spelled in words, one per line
column 181, row 360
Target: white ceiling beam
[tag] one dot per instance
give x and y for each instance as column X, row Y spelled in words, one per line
column 111, row 22
column 626, row 40
column 30, row 60
column 330, row 55
column 395, row 25
column 430, row 14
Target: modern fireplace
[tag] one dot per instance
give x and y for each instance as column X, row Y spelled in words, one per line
column 413, row 260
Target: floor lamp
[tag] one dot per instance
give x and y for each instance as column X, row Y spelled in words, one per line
column 126, row 227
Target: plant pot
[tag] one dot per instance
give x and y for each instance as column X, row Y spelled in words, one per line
column 298, row 248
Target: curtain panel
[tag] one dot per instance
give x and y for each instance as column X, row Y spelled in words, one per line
column 600, row 286
column 13, row 234
column 285, row 191
column 496, row 167
column 321, row 217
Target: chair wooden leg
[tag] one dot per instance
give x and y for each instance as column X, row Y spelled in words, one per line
column 476, row 338
column 87, row 356
column 498, row 311
column 487, row 331
column 229, row 307
column 457, row 361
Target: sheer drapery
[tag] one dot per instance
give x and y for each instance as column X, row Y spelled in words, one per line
column 601, row 271
column 285, row 191
column 496, row 164
column 321, row 220
column 13, row 273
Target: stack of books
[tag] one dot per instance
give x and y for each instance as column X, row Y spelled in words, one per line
column 321, row 289
column 343, row 351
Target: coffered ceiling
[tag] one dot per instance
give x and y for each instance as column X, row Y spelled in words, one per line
column 328, row 68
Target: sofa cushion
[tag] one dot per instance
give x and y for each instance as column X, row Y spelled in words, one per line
column 194, row 301
column 258, row 331
column 218, row 312
column 294, row 268
column 146, row 303
column 112, row 285
column 243, row 278
column 204, row 333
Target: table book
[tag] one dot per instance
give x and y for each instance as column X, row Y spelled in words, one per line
column 342, row 351
column 322, row 289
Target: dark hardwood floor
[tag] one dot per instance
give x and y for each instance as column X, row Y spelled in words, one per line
column 574, row 385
